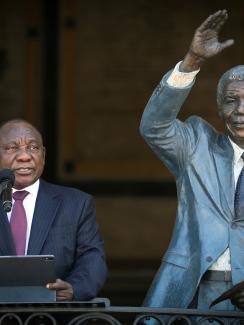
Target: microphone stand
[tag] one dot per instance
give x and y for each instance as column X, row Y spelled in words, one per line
column 5, row 187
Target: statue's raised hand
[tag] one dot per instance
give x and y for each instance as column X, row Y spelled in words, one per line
column 205, row 42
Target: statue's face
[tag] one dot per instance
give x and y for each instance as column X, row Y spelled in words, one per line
column 232, row 111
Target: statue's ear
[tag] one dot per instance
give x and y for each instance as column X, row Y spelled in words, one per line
column 220, row 113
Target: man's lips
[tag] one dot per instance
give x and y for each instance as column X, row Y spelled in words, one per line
column 23, row 170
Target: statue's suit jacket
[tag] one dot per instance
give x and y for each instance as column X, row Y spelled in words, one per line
column 201, row 160
column 64, row 224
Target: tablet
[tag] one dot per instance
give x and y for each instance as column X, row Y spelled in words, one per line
column 28, row 270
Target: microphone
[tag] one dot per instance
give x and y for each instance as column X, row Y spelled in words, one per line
column 6, row 183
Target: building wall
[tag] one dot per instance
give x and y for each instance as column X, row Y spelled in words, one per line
column 110, row 56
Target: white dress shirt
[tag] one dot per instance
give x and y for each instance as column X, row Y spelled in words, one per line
column 179, row 79
column 29, row 205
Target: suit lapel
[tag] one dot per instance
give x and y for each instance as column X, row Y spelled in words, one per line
column 6, row 242
column 44, row 214
column 223, row 157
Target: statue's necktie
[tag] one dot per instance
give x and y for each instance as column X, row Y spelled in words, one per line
column 239, row 195
column 18, row 222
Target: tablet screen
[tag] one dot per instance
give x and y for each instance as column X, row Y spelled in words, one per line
column 28, row 270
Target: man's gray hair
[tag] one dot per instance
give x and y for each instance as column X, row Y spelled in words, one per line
column 234, row 74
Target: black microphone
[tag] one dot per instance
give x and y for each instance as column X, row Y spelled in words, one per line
column 6, row 183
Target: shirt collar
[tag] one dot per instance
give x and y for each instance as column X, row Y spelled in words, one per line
column 238, row 151
column 32, row 189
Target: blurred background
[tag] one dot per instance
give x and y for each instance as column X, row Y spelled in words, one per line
column 82, row 72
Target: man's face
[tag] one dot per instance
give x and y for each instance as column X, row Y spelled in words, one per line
column 21, row 150
column 232, row 111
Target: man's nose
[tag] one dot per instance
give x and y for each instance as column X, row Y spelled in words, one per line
column 23, row 153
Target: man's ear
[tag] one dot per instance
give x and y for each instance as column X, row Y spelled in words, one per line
column 44, row 153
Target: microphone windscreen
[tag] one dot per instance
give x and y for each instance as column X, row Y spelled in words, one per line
column 7, row 174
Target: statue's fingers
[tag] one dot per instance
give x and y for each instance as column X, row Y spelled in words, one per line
column 227, row 43
column 214, row 21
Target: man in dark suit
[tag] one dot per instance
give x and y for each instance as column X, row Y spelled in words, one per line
column 60, row 220
column 205, row 256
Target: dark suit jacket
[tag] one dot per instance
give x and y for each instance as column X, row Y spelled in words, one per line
column 201, row 160
column 64, row 224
